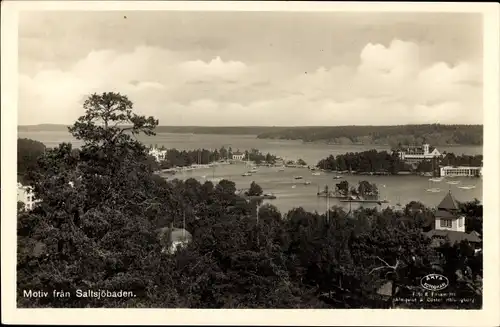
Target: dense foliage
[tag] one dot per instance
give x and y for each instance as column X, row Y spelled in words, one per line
column 182, row 158
column 97, row 229
column 450, row 159
column 436, row 134
column 366, row 161
column 364, row 189
column 28, row 152
column 384, row 162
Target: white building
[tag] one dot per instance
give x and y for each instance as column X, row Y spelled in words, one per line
column 25, row 195
column 461, row 171
column 448, row 217
column 450, row 224
column 158, row 154
column 418, row 153
column 238, row 156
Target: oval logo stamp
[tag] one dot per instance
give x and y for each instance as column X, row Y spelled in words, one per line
column 434, row 282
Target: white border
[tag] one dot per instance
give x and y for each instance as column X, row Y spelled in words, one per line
column 488, row 316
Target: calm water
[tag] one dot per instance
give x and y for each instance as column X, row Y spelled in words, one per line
column 397, row 188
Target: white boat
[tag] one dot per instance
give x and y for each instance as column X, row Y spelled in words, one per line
column 253, row 170
column 307, row 183
column 281, row 169
column 294, row 186
column 337, row 177
column 316, row 174
column 467, row 187
column 453, row 182
column 246, row 174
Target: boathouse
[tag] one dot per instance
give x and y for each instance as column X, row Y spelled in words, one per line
column 450, row 171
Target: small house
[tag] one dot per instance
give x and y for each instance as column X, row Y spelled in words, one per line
column 450, row 224
column 172, row 238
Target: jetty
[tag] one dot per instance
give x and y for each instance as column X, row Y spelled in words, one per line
column 331, row 195
column 259, row 197
column 365, row 201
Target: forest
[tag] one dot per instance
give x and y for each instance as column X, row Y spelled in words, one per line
column 435, row 134
column 220, row 130
column 383, row 161
column 102, row 206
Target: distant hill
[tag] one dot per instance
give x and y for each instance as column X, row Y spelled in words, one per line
column 42, row 128
column 230, row 130
column 434, row 134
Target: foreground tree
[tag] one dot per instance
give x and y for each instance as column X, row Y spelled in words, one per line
column 28, row 152
column 94, row 228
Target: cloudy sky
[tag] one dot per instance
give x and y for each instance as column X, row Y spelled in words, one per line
column 254, row 68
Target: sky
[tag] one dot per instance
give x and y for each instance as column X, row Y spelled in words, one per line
column 254, row 68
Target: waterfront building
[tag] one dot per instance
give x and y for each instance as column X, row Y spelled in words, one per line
column 238, row 155
column 450, row 171
column 417, row 153
column 25, row 195
column 450, row 224
column 158, row 154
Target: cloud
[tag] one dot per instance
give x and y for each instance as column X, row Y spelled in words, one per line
column 216, row 68
column 390, row 85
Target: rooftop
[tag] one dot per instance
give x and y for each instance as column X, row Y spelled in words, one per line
column 448, row 203
column 445, row 214
column 454, row 236
column 178, row 234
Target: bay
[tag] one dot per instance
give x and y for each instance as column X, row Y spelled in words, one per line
column 402, row 189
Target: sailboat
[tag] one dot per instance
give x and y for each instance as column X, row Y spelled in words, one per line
column 434, row 179
column 213, row 179
column 399, row 202
column 433, row 189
